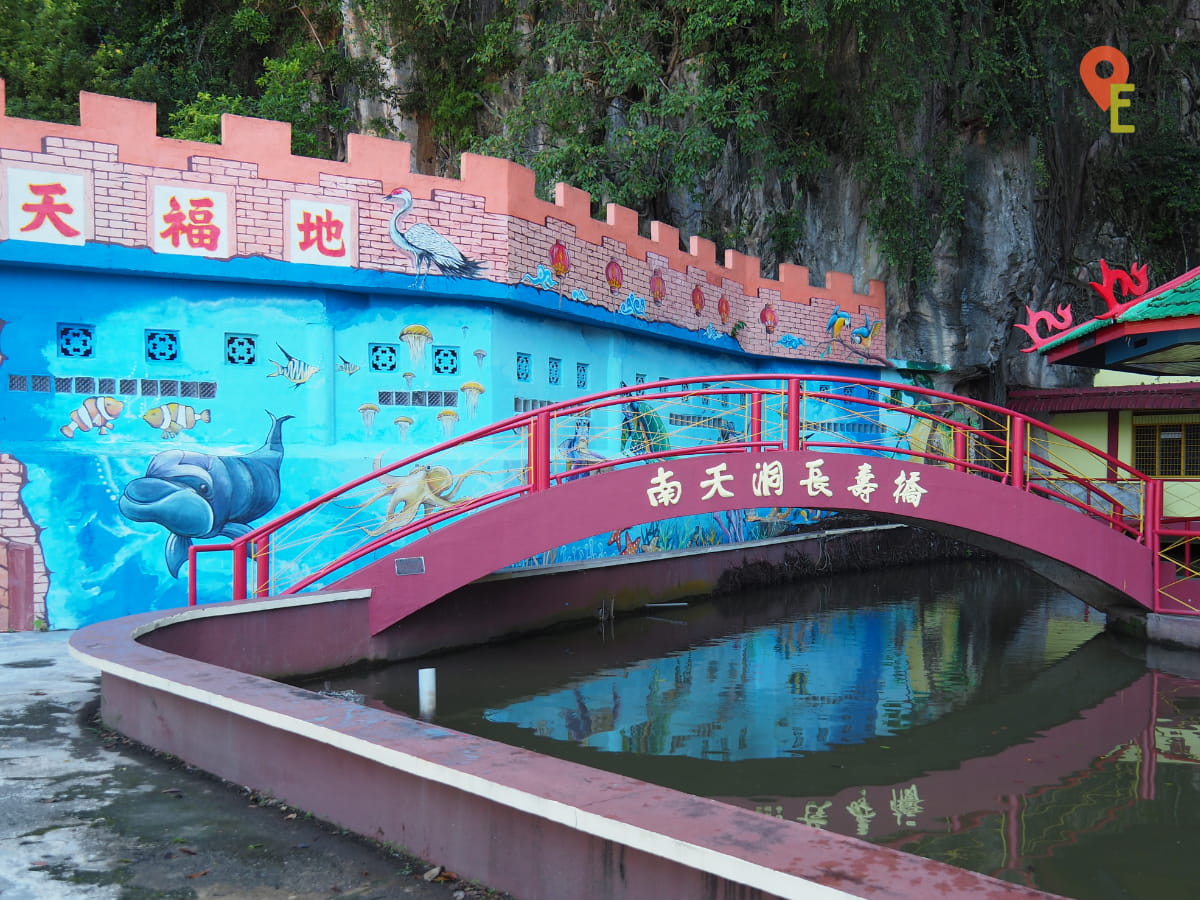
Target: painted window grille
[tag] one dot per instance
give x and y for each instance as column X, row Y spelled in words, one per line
column 528, row 404
column 75, row 340
column 1167, row 450
column 241, row 349
column 162, row 346
column 554, row 370
column 639, row 378
column 88, row 385
column 524, row 368
column 383, row 357
column 685, row 420
column 445, row 360
column 581, row 376
column 440, row 399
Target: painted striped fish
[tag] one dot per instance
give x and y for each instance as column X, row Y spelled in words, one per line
column 173, row 418
column 297, row 371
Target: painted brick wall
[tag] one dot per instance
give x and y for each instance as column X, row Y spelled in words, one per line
column 492, row 215
column 23, row 577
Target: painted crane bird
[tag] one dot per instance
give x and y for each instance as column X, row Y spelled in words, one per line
column 426, row 246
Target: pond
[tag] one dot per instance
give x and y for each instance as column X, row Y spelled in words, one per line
column 967, row 712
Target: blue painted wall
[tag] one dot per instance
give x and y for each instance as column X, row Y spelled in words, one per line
column 195, row 359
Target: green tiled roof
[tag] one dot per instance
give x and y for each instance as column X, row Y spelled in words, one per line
column 1181, row 300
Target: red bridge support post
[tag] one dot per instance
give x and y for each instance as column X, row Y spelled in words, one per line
column 795, row 407
column 539, row 452
column 1016, row 451
column 262, row 566
column 756, row 418
column 960, row 449
column 239, row 570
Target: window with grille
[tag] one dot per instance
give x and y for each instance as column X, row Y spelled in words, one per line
column 241, row 349
column 383, row 357
column 581, row 376
column 554, row 371
column 162, row 346
column 75, row 340
column 1167, row 450
column 524, row 366
column 445, row 360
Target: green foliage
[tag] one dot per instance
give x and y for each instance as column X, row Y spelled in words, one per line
column 652, row 103
column 194, row 58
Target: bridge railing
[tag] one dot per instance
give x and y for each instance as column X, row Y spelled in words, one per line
column 1177, row 577
column 382, row 510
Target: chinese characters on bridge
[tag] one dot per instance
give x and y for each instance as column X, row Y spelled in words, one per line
column 769, row 480
column 906, row 806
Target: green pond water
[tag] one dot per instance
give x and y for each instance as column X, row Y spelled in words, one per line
column 969, row 712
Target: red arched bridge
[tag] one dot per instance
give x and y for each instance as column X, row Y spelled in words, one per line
column 417, row 528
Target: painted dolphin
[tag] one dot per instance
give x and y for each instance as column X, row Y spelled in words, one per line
column 200, row 495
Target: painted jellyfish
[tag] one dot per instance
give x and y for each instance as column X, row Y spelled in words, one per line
column 408, row 379
column 471, row 390
column 416, row 338
column 447, row 418
column 479, row 357
column 614, row 276
column 368, row 411
column 403, row 423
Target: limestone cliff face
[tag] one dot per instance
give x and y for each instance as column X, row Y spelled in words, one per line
column 1027, row 218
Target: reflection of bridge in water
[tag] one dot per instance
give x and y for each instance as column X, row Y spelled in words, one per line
column 987, row 475
column 1041, row 795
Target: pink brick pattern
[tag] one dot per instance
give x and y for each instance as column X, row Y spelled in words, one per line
column 492, row 214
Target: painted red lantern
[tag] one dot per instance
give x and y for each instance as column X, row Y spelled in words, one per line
column 658, row 287
column 614, row 275
column 768, row 318
column 698, row 299
column 723, row 309
column 560, row 259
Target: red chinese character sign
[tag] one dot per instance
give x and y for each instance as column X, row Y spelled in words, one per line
column 47, row 206
column 321, row 232
column 191, row 221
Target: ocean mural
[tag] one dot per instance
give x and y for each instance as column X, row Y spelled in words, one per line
column 153, row 317
column 202, row 495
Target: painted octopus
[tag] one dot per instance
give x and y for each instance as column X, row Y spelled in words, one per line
column 424, row 488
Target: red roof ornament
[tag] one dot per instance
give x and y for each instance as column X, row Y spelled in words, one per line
column 1131, row 284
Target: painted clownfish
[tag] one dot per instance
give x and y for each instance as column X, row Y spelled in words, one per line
column 96, row 412
column 173, row 418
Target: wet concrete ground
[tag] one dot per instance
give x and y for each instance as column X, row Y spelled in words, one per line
column 84, row 813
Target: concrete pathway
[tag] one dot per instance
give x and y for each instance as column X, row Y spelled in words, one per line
column 87, row 814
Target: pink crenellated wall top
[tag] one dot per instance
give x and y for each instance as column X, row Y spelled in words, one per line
column 492, row 214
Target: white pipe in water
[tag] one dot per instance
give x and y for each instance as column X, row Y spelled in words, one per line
column 427, row 690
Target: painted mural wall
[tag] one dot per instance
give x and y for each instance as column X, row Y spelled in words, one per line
column 196, row 336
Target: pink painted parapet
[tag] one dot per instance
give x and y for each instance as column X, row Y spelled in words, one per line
column 492, row 214
column 517, row 821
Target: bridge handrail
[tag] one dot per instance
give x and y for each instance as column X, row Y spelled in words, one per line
column 790, row 388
